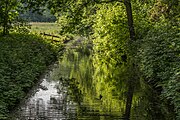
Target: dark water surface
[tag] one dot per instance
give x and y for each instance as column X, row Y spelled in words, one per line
column 77, row 88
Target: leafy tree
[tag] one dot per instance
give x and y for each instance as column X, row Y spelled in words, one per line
column 165, row 10
column 8, row 13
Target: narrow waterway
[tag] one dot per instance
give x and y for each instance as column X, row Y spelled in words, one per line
column 77, row 89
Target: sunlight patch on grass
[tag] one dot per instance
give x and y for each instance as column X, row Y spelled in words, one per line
column 44, row 27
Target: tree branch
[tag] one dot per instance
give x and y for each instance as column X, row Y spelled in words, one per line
column 107, row 1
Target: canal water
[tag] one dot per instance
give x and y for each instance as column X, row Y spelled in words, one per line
column 76, row 88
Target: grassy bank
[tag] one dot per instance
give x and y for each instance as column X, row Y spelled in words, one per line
column 22, row 59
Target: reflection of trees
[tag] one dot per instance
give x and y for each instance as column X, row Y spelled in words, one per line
column 100, row 92
column 57, row 108
column 83, row 89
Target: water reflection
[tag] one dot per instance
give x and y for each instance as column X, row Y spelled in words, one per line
column 50, row 102
column 79, row 88
column 67, row 92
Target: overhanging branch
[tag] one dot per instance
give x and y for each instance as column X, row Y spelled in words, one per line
column 107, row 1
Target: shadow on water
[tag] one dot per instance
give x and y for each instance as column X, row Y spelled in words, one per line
column 79, row 88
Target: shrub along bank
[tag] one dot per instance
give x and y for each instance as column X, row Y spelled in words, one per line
column 22, row 59
column 160, row 64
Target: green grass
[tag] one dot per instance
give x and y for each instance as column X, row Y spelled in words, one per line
column 41, row 27
column 48, row 28
column 22, row 59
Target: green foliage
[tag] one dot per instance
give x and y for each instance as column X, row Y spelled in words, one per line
column 20, row 26
column 23, row 57
column 77, row 19
column 8, row 13
column 160, row 62
column 110, row 44
column 157, row 46
column 163, row 10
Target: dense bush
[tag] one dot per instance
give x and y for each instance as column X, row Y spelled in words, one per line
column 160, row 56
column 22, row 59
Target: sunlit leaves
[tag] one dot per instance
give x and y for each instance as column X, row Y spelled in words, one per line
column 110, row 33
column 8, row 13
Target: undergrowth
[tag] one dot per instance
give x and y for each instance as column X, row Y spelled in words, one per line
column 22, row 59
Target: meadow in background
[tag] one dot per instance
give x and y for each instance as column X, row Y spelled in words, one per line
column 44, row 27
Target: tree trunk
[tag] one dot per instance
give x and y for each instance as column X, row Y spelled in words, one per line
column 5, row 20
column 132, row 79
column 127, row 3
column 129, row 100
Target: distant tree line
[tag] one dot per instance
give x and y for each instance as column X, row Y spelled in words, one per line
column 31, row 16
column 12, row 13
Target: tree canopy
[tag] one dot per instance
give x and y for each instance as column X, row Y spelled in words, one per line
column 140, row 38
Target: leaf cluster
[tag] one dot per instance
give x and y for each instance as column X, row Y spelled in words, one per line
column 8, row 13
